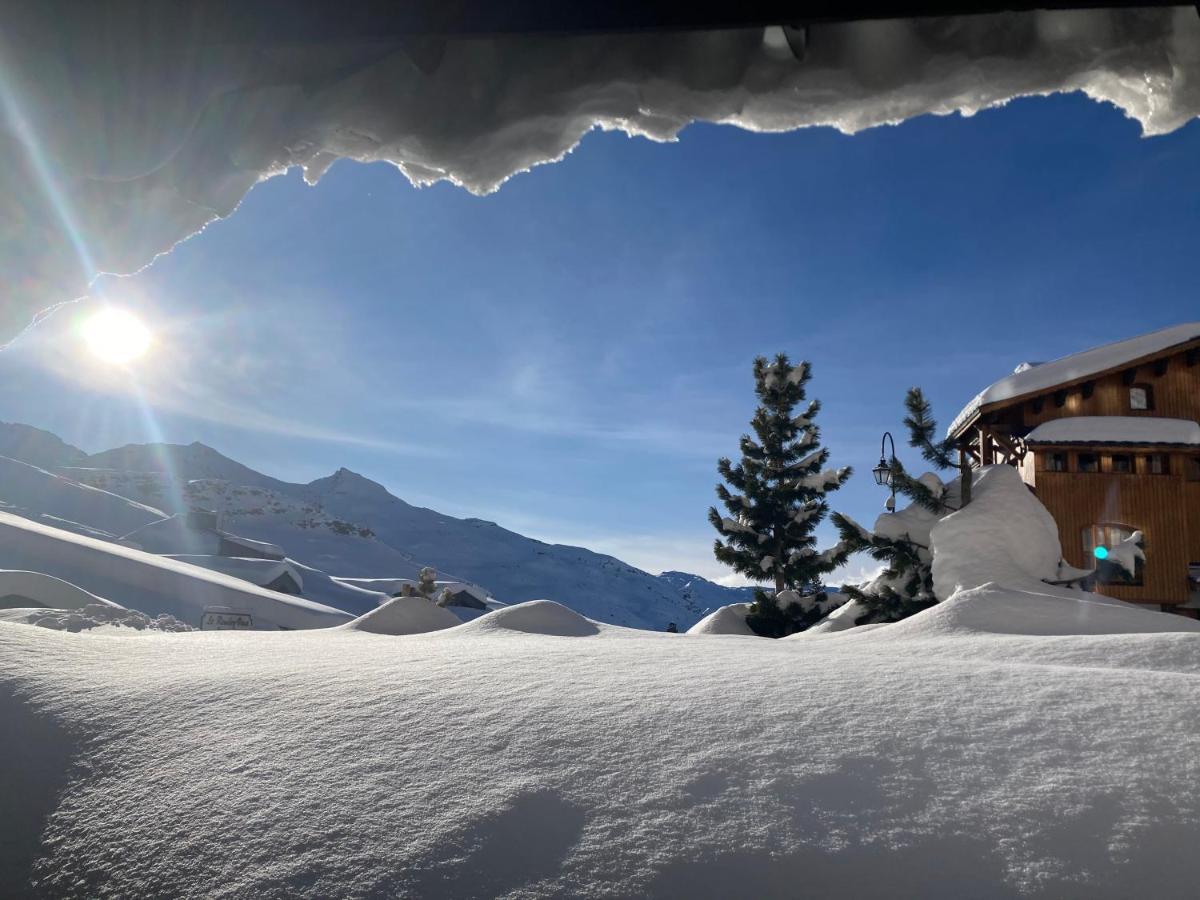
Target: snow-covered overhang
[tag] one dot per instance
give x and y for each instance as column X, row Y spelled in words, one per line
column 128, row 127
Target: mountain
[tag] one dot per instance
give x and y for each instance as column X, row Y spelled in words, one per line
column 348, row 525
column 35, row 446
column 706, row 595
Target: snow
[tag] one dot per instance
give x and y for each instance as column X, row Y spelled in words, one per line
column 1001, row 744
column 353, row 528
column 261, row 572
column 729, row 619
column 45, row 590
column 404, row 615
column 840, row 619
column 101, row 616
column 1049, row 375
column 1127, row 553
column 1115, row 430
column 151, row 140
column 37, row 493
column 544, row 617
column 151, row 584
column 1003, row 536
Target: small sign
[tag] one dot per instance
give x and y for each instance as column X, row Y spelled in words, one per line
column 225, row 620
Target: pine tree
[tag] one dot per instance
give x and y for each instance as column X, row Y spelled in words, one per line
column 426, row 582
column 905, row 586
column 776, row 498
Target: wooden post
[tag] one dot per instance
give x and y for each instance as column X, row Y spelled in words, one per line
column 965, row 474
column 986, row 456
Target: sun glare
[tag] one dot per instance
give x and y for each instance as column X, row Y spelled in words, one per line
column 116, row 336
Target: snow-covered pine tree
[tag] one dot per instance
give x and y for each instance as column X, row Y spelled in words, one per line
column 901, row 539
column 775, row 499
column 426, row 582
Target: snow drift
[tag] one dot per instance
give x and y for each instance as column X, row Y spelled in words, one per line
column 941, row 757
column 544, row 617
column 115, row 149
column 151, row 584
column 29, row 589
column 729, row 619
column 404, row 615
column 1004, row 535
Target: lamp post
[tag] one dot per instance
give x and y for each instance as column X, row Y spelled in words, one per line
column 883, row 471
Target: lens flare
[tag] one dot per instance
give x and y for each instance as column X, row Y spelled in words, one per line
column 116, row 336
column 1100, row 553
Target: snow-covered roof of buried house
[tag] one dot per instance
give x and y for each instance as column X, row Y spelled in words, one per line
column 263, row 572
column 1039, row 377
column 176, row 534
column 1116, row 430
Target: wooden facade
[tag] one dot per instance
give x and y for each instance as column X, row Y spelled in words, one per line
column 1149, row 487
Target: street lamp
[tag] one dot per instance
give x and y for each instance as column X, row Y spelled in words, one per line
column 883, row 471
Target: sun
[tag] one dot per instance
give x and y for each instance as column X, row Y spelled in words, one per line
column 116, row 336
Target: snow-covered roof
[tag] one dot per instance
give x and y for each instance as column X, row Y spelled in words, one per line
column 1116, row 430
column 267, row 549
column 262, row 572
column 1032, row 378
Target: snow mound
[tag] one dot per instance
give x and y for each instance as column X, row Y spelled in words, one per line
column 20, row 588
column 536, row 617
column 93, row 615
column 1004, row 536
column 404, row 615
column 995, row 609
column 840, row 619
column 729, row 619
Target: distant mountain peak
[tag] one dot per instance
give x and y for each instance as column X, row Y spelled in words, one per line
column 36, row 446
column 346, row 481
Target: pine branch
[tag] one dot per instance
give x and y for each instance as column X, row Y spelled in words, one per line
column 922, row 431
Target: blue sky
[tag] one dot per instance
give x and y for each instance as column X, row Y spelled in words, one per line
column 569, row 356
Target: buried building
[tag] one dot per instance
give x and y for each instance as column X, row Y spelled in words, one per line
column 1109, row 440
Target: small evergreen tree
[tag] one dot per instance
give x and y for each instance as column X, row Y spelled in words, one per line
column 426, row 582
column 775, row 499
column 905, row 586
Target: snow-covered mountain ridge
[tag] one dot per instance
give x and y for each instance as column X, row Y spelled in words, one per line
column 348, row 525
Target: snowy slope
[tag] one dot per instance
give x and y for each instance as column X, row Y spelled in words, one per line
column 704, row 594
column 936, row 758
column 348, row 525
column 44, row 496
column 148, row 583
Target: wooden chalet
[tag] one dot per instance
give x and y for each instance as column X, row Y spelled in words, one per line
column 1109, row 440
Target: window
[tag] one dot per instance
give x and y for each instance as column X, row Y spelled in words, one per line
column 1122, row 462
column 1089, row 462
column 1056, row 462
column 1193, row 468
column 1103, row 544
column 1141, row 397
column 1158, row 464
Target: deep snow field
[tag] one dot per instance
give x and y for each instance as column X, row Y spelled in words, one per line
column 1016, row 739
column 934, row 758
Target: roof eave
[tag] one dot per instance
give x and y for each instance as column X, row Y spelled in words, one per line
column 997, row 405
